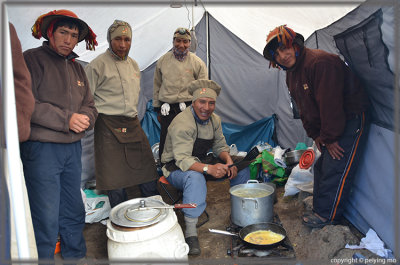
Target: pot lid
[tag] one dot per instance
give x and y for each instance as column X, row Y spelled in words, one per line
column 133, row 213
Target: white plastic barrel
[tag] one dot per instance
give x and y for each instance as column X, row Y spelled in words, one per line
column 161, row 241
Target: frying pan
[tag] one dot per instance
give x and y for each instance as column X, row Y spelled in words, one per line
column 256, row 227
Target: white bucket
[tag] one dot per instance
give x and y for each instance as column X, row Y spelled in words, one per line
column 161, row 241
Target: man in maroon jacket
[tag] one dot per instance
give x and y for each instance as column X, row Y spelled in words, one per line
column 332, row 105
column 24, row 99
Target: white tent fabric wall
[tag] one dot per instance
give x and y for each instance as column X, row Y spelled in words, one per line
column 152, row 36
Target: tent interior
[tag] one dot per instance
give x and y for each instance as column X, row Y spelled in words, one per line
column 254, row 104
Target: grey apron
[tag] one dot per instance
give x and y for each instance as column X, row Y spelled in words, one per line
column 123, row 156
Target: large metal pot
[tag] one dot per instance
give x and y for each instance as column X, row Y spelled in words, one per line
column 252, row 203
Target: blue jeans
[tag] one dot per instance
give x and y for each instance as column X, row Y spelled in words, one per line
column 53, row 180
column 193, row 185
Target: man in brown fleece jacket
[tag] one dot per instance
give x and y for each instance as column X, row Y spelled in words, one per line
column 64, row 110
column 332, row 105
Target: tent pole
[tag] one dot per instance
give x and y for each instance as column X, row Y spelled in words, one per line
column 12, row 166
column 193, row 16
column 193, row 43
column 208, row 45
column 397, row 127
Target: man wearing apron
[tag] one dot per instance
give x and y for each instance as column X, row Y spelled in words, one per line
column 191, row 135
column 123, row 156
column 174, row 71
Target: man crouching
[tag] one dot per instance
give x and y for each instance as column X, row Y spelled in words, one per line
column 191, row 135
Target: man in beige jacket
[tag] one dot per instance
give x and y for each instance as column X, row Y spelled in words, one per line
column 123, row 156
column 191, row 135
column 174, row 71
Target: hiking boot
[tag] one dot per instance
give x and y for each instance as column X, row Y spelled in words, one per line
column 194, row 246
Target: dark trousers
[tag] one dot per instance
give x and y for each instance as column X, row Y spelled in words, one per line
column 165, row 121
column 5, row 237
column 333, row 178
column 119, row 195
column 53, row 181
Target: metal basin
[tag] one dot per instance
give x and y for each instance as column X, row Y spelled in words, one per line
column 293, row 157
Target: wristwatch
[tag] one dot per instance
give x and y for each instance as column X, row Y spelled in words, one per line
column 205, row 168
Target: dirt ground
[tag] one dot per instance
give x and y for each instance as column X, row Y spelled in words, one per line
column 311, row 246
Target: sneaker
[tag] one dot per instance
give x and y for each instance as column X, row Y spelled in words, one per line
column 194, row 246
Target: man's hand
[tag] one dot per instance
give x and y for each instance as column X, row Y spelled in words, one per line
column 232, row 172
column 79, row 122
column 335, row 150
column 319, row 143
column 165, row 109
column 218, row 170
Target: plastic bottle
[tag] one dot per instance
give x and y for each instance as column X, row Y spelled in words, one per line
column 267, row 177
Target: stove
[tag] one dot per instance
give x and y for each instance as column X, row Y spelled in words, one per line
column 238, row 248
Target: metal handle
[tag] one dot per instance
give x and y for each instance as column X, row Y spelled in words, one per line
column 185, row 205
column 250, row 199
column 176, row 206
column 222, row 232
column 252, row 181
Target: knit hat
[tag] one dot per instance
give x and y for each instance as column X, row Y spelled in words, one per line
column 42, row 23
column 119, row 28
column 182, row 33
column 203, row 88
column 281, row 35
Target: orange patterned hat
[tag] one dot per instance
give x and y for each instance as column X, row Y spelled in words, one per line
column 39, row 29
column 281, row 35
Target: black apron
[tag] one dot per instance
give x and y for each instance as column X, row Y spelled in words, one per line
column 123, row 156
column 165, row 121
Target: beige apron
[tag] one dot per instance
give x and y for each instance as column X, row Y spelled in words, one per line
column 123, row 156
